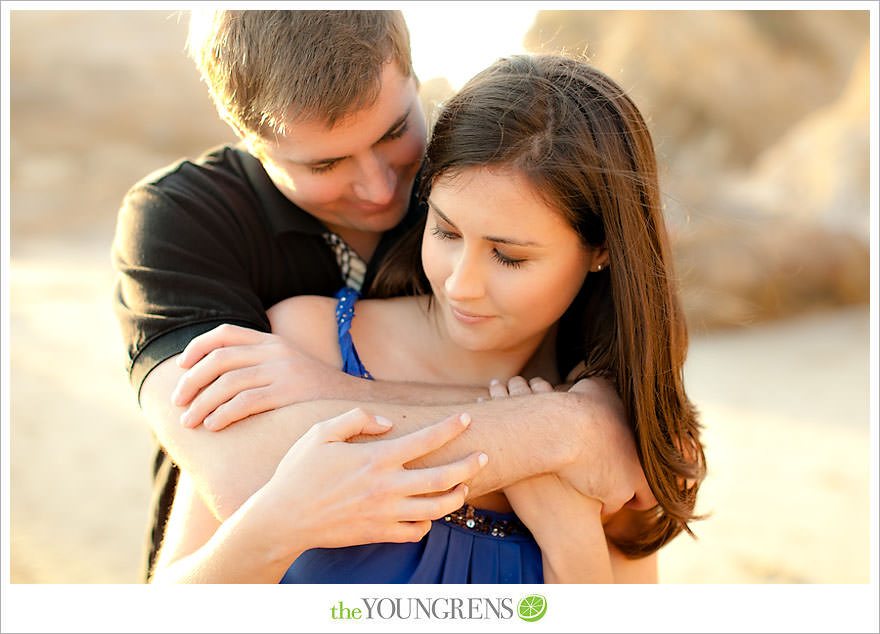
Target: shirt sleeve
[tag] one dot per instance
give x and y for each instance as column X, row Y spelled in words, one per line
column 184, row 265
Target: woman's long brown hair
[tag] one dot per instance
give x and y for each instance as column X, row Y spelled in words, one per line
column 584, row 146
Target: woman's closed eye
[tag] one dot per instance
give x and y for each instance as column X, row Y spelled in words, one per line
column 443, row 234
column 502, row 258
column 506, row 260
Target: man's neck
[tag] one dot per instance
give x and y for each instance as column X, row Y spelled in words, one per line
column 364, row 243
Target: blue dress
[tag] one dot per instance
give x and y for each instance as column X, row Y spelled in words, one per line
column 468, row 546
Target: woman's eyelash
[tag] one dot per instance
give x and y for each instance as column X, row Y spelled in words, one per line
column 499, row 257
column 442, row 233
column 506, row 261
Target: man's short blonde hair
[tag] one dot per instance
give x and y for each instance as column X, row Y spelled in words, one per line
column 266, row 69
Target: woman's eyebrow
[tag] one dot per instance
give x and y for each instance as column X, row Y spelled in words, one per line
column 519, row 243
column 440, row 213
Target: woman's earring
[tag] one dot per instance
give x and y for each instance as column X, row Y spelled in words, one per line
column 598, row 268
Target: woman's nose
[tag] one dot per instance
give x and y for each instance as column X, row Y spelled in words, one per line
column 466, row 280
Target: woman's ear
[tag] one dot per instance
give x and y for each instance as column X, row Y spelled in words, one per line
column 600, row 260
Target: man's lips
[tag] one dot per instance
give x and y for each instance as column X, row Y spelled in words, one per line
column 369, row 208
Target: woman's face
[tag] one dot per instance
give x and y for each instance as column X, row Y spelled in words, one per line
column 503, row 265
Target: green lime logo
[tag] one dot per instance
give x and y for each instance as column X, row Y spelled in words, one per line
column 532, row 607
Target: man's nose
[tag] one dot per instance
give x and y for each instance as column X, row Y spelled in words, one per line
column 377, row 181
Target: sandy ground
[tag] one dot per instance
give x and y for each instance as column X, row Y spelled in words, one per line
column 785, row 408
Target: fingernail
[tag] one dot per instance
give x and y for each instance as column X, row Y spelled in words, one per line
column 179, row 361
column 465, row 419
column 208, row 422
column 480, row 399
column 383, row 421
column 483, row 459
column 466, row 489
column 494, row 382
column 184, row 419
column 175, row 397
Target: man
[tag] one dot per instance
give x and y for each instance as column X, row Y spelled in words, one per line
column 326, row 105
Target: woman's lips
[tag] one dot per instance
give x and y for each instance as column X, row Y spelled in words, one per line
column 469, row 318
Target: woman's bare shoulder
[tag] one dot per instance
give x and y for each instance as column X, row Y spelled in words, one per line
column 405, row 306
column 308, row 322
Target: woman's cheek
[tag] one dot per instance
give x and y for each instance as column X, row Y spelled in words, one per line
column 432, row 261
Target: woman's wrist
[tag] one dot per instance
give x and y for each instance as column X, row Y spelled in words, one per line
column 245, row 549
column 577, row 553
column 262, row 538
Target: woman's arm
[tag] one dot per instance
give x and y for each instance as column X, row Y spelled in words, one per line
column 196, row 548
column 567, row 527
column 324, row 493
column 572, row 534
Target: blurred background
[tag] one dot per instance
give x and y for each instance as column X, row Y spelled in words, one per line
column 760, row 119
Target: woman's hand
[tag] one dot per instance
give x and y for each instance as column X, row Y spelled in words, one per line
column 326, row 492
column 342, row 494
column 518, row 386
column 234, row 372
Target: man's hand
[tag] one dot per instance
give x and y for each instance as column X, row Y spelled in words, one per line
column 233, row 372
column 605, row 464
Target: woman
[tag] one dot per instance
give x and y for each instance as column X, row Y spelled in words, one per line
column 543, row 253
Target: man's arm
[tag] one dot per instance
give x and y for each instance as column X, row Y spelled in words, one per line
column 232, row 373
column 582, row 433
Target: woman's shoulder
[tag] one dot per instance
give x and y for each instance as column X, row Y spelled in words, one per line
column 307, row 322
column 391, row 306
column 301, row 307
column 390, row 335
column 390, row 320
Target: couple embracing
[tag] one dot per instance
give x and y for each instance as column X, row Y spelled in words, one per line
column 370, row 356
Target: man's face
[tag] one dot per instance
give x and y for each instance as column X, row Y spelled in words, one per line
column 355, row 177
